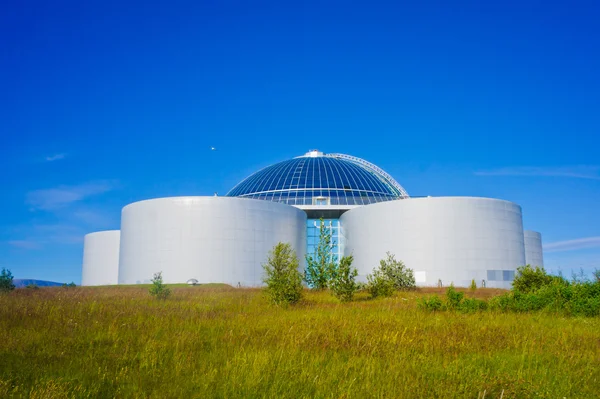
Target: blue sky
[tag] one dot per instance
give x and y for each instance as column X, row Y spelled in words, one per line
column 104, row 103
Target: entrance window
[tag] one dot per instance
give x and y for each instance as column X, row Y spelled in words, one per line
column 321, row 201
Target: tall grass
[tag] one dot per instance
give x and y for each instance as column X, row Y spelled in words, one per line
column 225, row 342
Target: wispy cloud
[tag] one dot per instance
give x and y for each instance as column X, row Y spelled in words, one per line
column 572, row 245
column 577, row 171
column 55, row 198
column 55, row 157
column 25, row 244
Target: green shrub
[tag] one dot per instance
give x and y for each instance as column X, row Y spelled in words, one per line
column 282, row 278
column 529, row 279
column 6, row 281
column 32, row 286
column 471, row 305
column 70, row 285
column 473, row 286
column 453, row 298
column 343, row 284
column 401, row 276
column 158, row 289
column 432, row 303
column 379, row 285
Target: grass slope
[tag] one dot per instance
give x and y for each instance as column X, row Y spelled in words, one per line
column 203, row 342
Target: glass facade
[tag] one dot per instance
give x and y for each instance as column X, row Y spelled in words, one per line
column 313, row 227
column 317, row 181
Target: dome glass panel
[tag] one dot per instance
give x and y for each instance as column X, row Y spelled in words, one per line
column 319, row 179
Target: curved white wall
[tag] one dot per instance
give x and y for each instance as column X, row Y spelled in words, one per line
column 534, row 254
column 211, row 239
column 452, row 239
column 101, row 258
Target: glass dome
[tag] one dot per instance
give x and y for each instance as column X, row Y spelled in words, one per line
column 320, row 179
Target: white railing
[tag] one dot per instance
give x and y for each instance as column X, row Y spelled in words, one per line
column 374, row 168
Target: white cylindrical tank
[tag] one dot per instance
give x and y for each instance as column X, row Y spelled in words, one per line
column 534, row 254
column 211, row 239
column 443, row 239
column 101, row 258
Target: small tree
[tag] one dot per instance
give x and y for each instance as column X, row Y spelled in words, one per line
column 343, row 283
column 283, row 280
column 6, row 281
column 379, row 285
column 401, row 276
column 320, row 266
column 529, row 279
column 473, row 286
column 158, row 289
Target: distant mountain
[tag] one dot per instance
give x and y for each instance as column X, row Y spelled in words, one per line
column 20, row 283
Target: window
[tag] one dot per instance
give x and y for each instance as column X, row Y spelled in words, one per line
column 321, row 201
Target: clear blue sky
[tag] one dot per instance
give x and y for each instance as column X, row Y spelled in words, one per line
column 104, row 103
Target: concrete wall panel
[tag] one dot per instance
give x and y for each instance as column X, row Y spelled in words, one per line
column 101, row 258
column 211, row 239
column 534, row 254
column 452, row 239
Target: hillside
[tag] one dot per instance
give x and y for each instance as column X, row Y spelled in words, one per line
column 20, row 283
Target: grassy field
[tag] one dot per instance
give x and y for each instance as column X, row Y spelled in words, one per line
column 222, row 342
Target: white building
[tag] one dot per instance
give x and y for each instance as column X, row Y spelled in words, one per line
column 227, row 239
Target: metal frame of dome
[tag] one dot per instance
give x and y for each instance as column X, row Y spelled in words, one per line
column 250, row 187
column 374, row 168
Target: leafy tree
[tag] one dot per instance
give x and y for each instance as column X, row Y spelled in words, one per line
column 321, row 265
column 158, row 289
column 343, row 284
column 529, row 279
column 379, row 284
column 6, row 281
column 401, row 276
column 283, row 280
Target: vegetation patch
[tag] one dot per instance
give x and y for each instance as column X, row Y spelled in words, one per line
column 99, row 342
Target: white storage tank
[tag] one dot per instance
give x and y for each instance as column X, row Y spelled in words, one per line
column 210, row 239
column 101, row 258
column 443, row 239
column 534, row 254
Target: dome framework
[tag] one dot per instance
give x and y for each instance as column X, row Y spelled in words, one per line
column 321, row 179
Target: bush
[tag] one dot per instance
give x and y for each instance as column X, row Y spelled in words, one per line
column 529, row 279
column 282, row 278
column 158, row 289
column 471, row 305
column 401, row 276
column 391, row 275
column 432, row 303
column 453, row 298
column 6, row 281
column 70, row 285
column 343, row 284
column 379, row 285
column 32, row 286
column 473, row 286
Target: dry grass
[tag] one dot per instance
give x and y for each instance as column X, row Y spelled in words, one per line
column 225, row 342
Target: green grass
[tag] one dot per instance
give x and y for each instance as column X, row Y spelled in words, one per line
column 209, row 341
